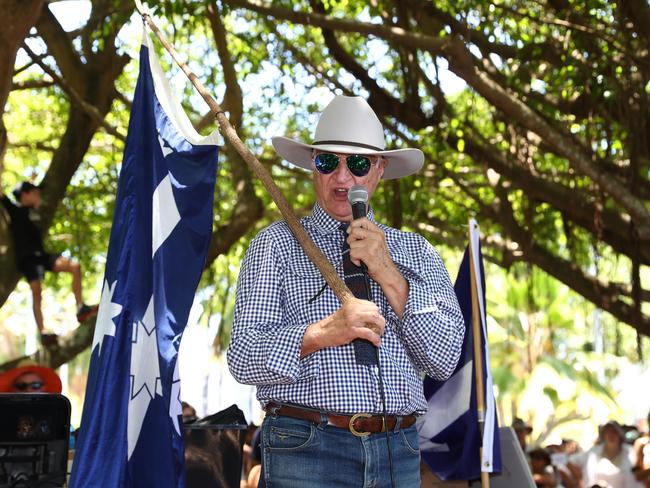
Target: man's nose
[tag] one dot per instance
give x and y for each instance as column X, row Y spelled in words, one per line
column 342, row 173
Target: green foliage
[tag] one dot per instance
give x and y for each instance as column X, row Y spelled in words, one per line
column 580, row 68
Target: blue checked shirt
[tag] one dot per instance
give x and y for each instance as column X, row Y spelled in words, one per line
column 280, row 293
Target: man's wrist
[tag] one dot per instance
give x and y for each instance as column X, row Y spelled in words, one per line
column 388, row 273
column 396, row 289
column 312, row 338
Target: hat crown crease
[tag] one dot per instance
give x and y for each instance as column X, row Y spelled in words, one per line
column 350, row 120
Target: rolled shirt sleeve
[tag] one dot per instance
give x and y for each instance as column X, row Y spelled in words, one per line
column 432, row 326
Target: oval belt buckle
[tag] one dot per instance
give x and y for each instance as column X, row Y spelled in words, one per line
column 351, row 424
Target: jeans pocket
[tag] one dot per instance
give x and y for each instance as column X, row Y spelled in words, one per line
column 291, row 436
column 410, row 439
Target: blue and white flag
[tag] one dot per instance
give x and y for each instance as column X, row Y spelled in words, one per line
column 130, row 434
column 450, row 438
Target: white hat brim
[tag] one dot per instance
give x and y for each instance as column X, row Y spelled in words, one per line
column 401, row 162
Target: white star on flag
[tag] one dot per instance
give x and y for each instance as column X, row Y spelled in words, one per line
column 145, row 374
column 164, row 214
column 108, row 310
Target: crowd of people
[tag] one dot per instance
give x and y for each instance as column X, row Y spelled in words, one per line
column 619, row 458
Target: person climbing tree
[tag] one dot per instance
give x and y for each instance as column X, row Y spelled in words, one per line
column 31, row 258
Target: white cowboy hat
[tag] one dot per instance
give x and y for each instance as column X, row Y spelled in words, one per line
column 348, row 125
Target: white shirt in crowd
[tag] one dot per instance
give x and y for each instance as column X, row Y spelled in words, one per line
column 617, row 472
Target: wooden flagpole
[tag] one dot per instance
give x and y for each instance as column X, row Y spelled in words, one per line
column 478, row 356
column 230, row 134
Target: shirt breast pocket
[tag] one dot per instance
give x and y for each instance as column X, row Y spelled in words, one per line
column 306, row 289
column 303, row 267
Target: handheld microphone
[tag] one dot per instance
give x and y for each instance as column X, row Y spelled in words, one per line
column 358, row 198
column 364, row 351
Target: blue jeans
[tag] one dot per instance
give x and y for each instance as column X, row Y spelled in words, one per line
column 298, row 453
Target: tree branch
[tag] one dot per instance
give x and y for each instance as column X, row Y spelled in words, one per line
column 74, row 96
column 31, row 84
column 408, row 111
column 461, row 62
column 392, row 34
column 639, row 12
column 232, row 99
column 58, row 43
column 523, row 247
column 40, row 145
column 598, row 33
column 63, row 351
column 248, row 208
column 613, row 229
column 17, row 16
column 597, row 291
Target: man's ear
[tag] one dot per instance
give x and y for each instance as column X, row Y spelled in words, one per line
column 382, row 166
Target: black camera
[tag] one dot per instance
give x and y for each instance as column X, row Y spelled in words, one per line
column 34, row 436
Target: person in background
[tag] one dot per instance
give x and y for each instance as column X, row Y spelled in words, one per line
column 522, row 430
column 610, row 461
column 570, row 446
column 32, row 378
column 31, row 258
column 253, row 459
column 642, row 452
column 559, row 457
column 543, row 473
column 631, row 433
column 189, row 413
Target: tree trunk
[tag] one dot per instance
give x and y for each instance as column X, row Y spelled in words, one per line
column 18, row 16
column 94, row 82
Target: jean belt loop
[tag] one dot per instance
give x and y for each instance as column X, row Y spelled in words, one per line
column 323, row 421
column 274, row 410
column 398, row 423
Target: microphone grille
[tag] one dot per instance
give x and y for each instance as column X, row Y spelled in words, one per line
column 357, row 193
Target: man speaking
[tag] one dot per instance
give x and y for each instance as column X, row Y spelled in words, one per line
column 341, row 384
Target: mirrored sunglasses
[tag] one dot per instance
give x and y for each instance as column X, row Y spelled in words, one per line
column 34, row 385
column 358, row 165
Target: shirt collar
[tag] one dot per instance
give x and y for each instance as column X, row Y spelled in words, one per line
column 325, row 224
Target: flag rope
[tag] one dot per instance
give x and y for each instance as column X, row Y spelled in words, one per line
column 313, row 252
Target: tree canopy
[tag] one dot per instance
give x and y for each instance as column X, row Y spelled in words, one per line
column 533, row 117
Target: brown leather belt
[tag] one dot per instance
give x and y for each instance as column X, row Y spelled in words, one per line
column 360, row 424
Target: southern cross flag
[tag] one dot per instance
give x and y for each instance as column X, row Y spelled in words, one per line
column 130, row 434
column 450, row 438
